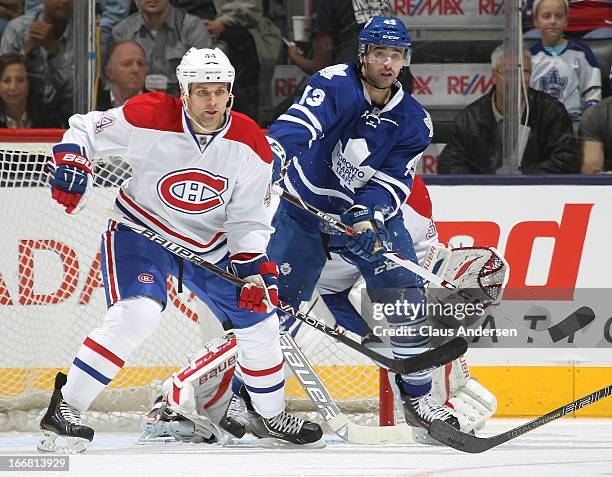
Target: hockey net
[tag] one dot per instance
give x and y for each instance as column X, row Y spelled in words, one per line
column 52, row 296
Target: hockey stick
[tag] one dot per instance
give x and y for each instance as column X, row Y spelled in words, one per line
column 431, row 358
column 329, row 410
column 443, row 432
column 338, row 225
column 570, row 325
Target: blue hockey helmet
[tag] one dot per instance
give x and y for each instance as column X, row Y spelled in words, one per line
column 385, row 31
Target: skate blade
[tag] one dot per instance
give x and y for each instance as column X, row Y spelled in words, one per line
column 274, row 443
column 152, row 438
column 52, row 443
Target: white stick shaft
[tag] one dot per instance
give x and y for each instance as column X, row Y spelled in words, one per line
column 413, row 267
column 329, row 410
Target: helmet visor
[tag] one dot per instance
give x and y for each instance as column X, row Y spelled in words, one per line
column 378, row 55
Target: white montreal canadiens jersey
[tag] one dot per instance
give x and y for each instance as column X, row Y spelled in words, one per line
column 573, row 77
column 339, row 275
column 343, row 150
column 209, row 198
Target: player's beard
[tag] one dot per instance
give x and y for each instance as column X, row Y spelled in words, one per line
column 374, row 82
column 199, row 123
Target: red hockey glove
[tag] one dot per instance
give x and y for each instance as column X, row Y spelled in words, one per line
column 260, row 293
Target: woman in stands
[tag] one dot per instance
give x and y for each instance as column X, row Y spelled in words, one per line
column 19, row 103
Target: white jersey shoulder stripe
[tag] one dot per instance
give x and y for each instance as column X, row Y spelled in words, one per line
column 293, row 119
column 318, row 190
column 303, row 109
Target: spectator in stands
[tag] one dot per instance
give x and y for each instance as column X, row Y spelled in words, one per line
column 19, row 107
column 113, row 11
column 126, row 70
column 585, row 17
column 165, row 33
column 253, row 45
column 475, row 146
column 335, row 32
column 335, row 39
column 565, row 69
column 9, row 9
column 44, row 37
column 596, row 138
column 204, row 9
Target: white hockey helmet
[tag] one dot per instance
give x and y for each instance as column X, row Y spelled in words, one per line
column 205, row 66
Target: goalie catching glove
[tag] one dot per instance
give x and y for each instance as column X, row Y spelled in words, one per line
column 478, row 273
column 260, row 293
column 72, row 177
column 372, row 239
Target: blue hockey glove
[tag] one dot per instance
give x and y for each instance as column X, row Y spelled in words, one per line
column 72, row 179
column 260, row 293
column 372, row 239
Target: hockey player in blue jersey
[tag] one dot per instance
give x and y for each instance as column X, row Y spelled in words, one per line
column 350, row 146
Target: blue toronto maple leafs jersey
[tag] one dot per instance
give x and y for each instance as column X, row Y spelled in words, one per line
column 342, row 150
column 572, row 77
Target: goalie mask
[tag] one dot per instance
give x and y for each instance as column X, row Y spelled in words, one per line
column 204, row 65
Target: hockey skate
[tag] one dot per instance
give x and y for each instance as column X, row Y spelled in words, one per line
column 236, row 417
column 419, row 411
column 284, row 428
column 165, row 423
column 63, row 421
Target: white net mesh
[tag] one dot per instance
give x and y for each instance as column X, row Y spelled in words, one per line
column 52, row 296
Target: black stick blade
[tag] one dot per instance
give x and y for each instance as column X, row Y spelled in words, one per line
column 435, row 357
column 579, row 319
column 448, row 435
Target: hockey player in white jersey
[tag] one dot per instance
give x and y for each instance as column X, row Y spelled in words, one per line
column 200, row 177
column 350, row 146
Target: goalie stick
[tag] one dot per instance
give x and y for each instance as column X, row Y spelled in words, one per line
column 570, row 325
column 431, row 358
column 450, row 436
column 329, row 410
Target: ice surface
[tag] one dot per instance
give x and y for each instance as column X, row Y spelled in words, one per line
column 564, row 448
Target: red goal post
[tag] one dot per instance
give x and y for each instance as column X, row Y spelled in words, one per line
column 51, row 296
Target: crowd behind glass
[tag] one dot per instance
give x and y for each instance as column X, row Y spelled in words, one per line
column 567, row 118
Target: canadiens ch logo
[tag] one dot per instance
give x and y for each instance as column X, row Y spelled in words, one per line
column 192, row 191
column 145, row 278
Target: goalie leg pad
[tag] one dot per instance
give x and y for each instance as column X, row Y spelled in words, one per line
column 194, row 398
column 472, row 402
column 261, row 365
column 163, row 421
column 207, row 376
column 127, row 324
